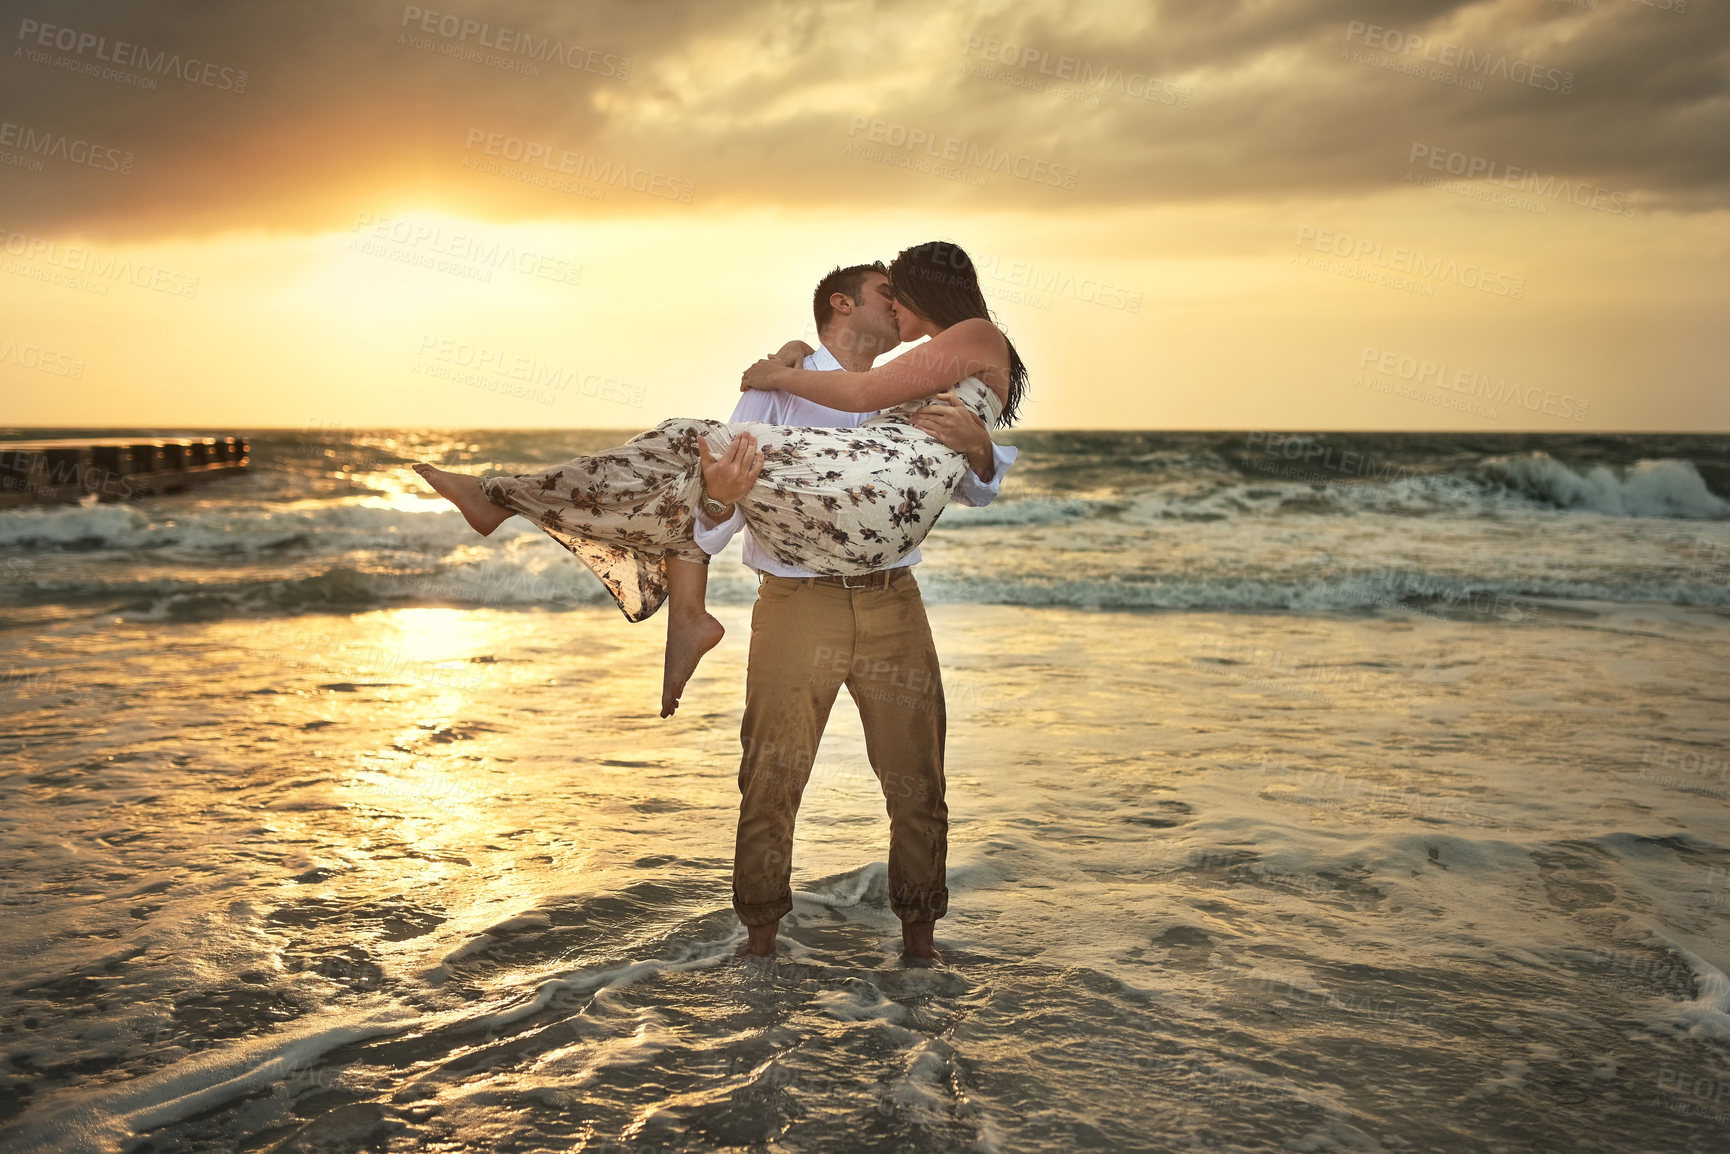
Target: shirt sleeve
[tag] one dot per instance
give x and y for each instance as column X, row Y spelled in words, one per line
column 756, row 405
column 972, row 491
column 712, row 541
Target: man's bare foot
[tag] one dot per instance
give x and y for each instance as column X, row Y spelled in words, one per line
column 759, row 941
column 689, row 636
column 916, row 946
column 464, row 492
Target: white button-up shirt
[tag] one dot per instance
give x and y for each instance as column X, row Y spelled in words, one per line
column 774, row 407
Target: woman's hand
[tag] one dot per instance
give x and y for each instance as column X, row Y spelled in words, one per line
column 760, row 375
column 792, row 354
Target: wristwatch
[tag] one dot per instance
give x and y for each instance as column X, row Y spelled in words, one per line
column 715, row 509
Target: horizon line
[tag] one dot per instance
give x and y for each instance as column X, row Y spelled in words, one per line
column 7, row 430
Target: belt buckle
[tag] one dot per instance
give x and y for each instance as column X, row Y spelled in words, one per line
column 866, row 580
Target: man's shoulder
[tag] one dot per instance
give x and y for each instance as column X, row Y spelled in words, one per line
column 766, row 405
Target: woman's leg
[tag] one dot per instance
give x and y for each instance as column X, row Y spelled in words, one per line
column 630, row 572
column 691, row 631
column 464, row 492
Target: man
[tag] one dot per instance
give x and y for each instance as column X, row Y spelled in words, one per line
column 811, row 634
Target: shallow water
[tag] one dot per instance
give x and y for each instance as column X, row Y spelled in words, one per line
column 1419, row 877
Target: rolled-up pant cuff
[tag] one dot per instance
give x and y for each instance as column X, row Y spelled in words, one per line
column 762, row 913
column 926, row 907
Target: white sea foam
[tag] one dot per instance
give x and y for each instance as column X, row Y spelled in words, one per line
column 105, row 1120
column 1664, row 488
column 1028, row 511
column 1707, row 1013
column 239, row 527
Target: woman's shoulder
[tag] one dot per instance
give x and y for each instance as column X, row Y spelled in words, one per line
column 978, row 341
column 978, row 329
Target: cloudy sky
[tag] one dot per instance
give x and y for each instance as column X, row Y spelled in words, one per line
column 1293, row 214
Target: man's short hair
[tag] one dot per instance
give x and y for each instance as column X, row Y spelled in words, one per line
column 845, row 281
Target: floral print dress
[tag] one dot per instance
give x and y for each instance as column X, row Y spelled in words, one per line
column 840, row 501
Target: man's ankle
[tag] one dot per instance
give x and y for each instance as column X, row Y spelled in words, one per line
column 760, row 940
column 916, row 938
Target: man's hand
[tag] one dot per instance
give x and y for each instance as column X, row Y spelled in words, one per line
column 959, row 428
column 760, row 375
column 731, row 476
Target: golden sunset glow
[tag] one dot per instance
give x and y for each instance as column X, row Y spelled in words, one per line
column 431, row 721
column 1184, row 218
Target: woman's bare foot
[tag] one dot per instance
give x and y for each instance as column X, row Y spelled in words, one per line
column 464, row 492
column 689, row 636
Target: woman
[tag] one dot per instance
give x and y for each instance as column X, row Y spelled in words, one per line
column 834, row 501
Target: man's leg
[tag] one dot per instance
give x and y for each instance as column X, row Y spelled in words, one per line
column 800, row 634
column 895, row 680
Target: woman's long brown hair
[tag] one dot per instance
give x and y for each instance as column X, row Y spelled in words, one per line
column 938, row 281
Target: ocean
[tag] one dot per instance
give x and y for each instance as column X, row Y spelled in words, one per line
column 1309, row 791
column 1100, row 520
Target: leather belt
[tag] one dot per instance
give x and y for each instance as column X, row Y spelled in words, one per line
column 878, row 579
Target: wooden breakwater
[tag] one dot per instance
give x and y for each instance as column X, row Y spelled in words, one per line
column 113, row 468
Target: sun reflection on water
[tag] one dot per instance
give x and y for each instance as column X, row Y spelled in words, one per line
column 436, row 635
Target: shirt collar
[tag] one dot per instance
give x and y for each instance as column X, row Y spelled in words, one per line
column 824, row 360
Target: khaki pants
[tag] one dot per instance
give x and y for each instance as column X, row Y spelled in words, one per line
column 807, row 640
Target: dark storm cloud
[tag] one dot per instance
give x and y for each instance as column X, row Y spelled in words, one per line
column 193, row 117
